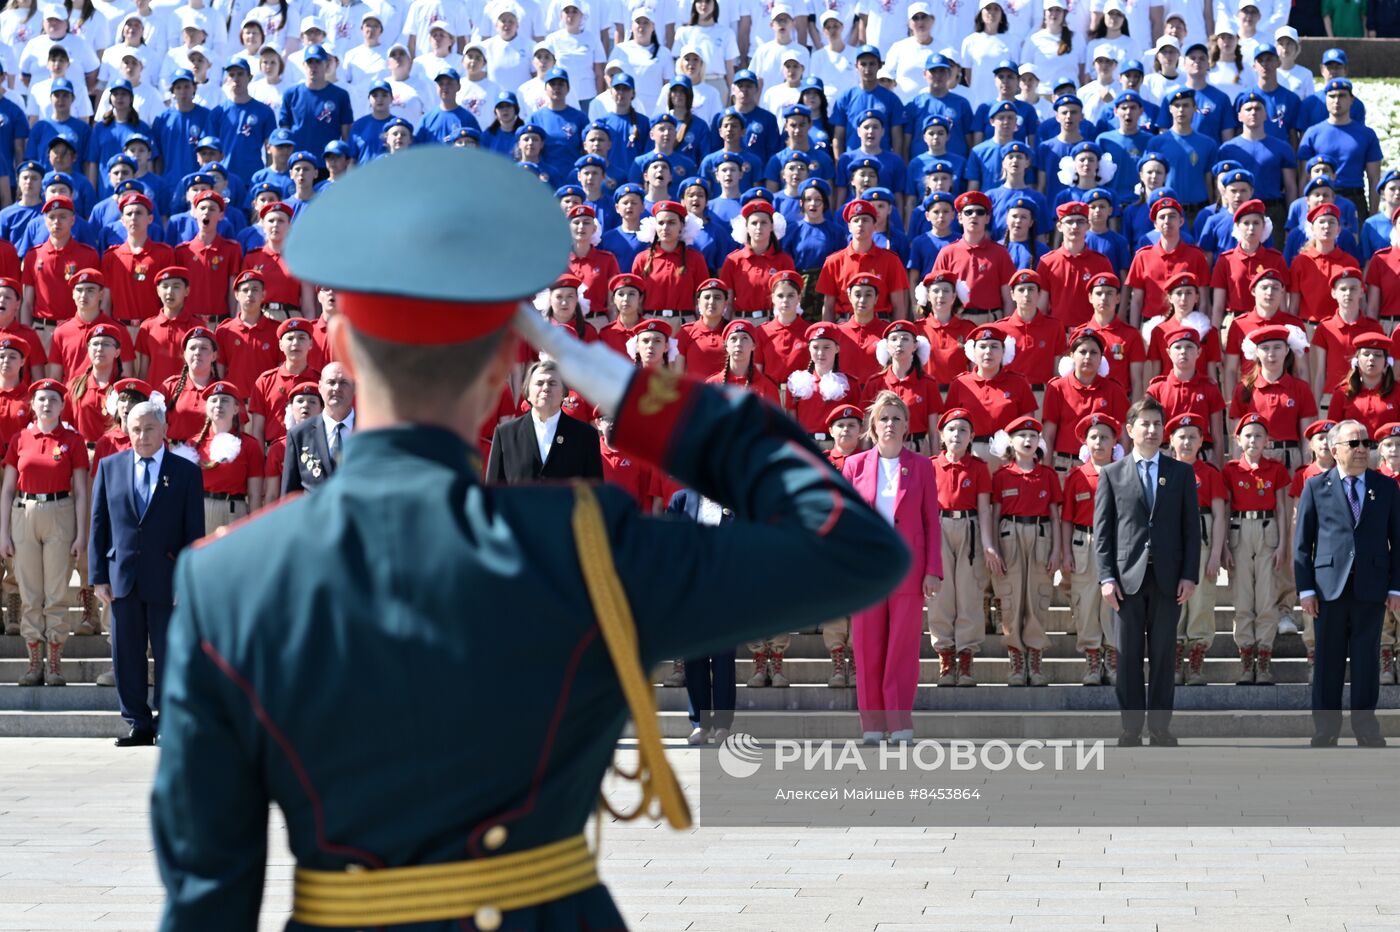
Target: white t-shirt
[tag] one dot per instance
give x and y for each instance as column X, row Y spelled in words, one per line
column 887, row 21
column 1042, row 49
column 578, row 54
column 649, row 73
column 716, row 44
column 836, row 69
column 508, row 63
column 906, row 59
column 767, row 61
column 82, row 59
column 887, row 491
column 1139, row 16
column 980, row 52
column 1299, row 80
column 478, row 98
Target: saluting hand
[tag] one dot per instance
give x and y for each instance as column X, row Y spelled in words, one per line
column 931, row 586
column 1112, row 595
column 1184, row 590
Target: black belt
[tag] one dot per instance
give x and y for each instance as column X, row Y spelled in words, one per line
column 44, row 323
column 982, row 438
column 226, row 496
column 1252, row 514
column 1038, row 388
column 918, row 437
column 959, row 512
column 1284, row 445
column 1275, row 202
column 1350, row 192
column 1086, row 528
column 1025, row 519
column 980, row 310
column 41, row 497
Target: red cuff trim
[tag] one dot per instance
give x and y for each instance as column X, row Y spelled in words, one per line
column 651, row 410
column 421, row 322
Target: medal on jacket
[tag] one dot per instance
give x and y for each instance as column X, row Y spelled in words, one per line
column 165, row 481
column 57, row 453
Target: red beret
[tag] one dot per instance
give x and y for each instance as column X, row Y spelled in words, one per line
column 652, row 325
column 107, row 331
column 582, row 210
column 305, row 388
column 1163, row 203
column 787, row 275
column 1324, row 210
column 567, row 280
column 209, row 195
column 858, row 208
column 954, row 414
column 1317, row 427
column 1025, row 422
column 871, row 280
column 1189, row 420
column 17, row 343
column 972, row 198
column 1387, row 431
column 1181, row 280
column 57, row 203
column 87, row 277
column 13, row 285
column 139, row 386
column 1024, row 277
column 221, row 387
column 1249, row 420
column 1181, row 333
column 986, row 332
column 298, row 324
column 675, row 207
column 841, row 412
column 249, row 275
column 200, row 333
column 173, row 271
column 1072, row 209
column 741, row 325
column 1265, row 275
column 1371, row 341
column 756, row 206
column 823, row 331
column 941, row 277
column 1251, row 206
column 1345, row 271
column 1105, row 280
column 48, row 385
column 626, row 280
column 136, row 197
column 712, row 284
column 275, row 207
column 901, row 326
column 1081, row 430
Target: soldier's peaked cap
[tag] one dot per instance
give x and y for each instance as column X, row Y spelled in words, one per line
column 454, row 259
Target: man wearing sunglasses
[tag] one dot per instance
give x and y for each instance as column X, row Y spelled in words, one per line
column 1346, row 557
column 977, row 260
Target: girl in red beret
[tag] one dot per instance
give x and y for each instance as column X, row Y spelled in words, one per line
column 1367, row 394
column 1195, row 631
column 748, row 270
column 1096, row 637
column 185, row 414
column 1315, row 263
column 701, row 342
column 87, row 391
column 812, row 393
column 903, row 353
column 740, row 367
column 938, row 299
column 671, row 267
column 1182, row 292
column 785, row 344
column 232, row 461
column 1273, row 390
column 625, row 297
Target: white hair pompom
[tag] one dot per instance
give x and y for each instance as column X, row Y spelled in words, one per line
column 646, row 231
column 584, row 304
column 632, row 346
column 834, row 386
column 739, row 229
column 185, row 452
column 110, row 404
column 596, row 236
column 1103, row 367
column 882, row 354
column 1297, row 339
column 1065, row 367
column 1395, row 237
column 289, row 419
column 157, row 399
column 801, row 384
column 999, row 444
column 1066, row 172
column 925, row 349
column 964, row 291
column 224, row 447
column 780, row 226
column 1083, row 453
column 541, row 301
column 1198, row 322
column 1008, row 351
column 1117, row 452
column 921, row 295
column 1107, row 168
column 692, row 229
column 673, row 349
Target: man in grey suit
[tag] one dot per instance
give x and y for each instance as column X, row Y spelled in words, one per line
column 1147, row 537
column 313, row 446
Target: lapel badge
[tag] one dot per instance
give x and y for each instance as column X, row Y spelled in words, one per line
column 558, row 438
column 1161, row 480
column 165, row 481
column 316, row 472
column 1371, row 495
column 904, row 470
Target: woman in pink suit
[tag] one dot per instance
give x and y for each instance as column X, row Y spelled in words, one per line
column 886, row 637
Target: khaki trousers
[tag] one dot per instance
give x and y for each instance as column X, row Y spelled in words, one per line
column 43, row 534
column 1093, row 618
column 1197, row 622
column 836, row 634
column 1388, row 628
column 1252, row 543
column 1025, row 590
column 955, row 619
column 775, row 645
column 219, row 513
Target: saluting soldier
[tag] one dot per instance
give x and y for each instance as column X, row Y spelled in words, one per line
column 412, row 575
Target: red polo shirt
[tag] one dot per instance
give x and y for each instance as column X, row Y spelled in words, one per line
column 1026, row 493
column 14, row 411
column 212, row 271
column 89, row 412
column 272, row 394
column 994, row 402
column 1383, row 272
column 917, row 391
column 184, row 415
column 985, row 268
column 1153, row 267
column 47, row 270
column 161, row 339
column 671, row 282
column 1066, row 278
column 246, row 352
column 786, row 348
column 70, row 340
column 232, row 478
column 1235, row 270
column 1081, row 485
column 1039, row 342
column 1369, row 407
column 811, row 412
column 615, row 336
column 1123, row 346
column 702, row 349
column 1199, row 396
column 596, row 269
column 9, row 261
column 947, row 358
column 1210, row 485
column 1336, row 338
column 959, row 483
column 280, row 285
column 46, row 461
column 1295, row 488
column 131, row 277
column 1157, row 347
column 1283, row 405
column 841, row 267
column 1254, row 488
column 747, row 274
column 114, row 441
column 857, row 353
column 760, row 384
column 1312, row 280
column 1068, row 401
column 629, row 473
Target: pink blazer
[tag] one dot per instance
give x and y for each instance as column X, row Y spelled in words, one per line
column 916, row 514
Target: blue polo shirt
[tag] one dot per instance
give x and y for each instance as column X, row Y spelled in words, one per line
column 753, row 174
column 810, row 244
column 315, row 118
column 762, row 134
column 14, row 127
column 243, row 130
column 1375, row 234
column 45, row 131
column 14, row 219
column 1025, row 131
column 851, row 103
column 1313, row 110
column 1188, row 159
column 1282, row 105
column 563, row 140
column 439, row 124
column 1215, row 111
column 1350, row 147
column 622, row 244
column 825, row 167
column 1266, row 158
column 1001, row 196
column 924, row 248
column 631, row 136
column 952, row 105
column 176, row 134
column 366, row 138
column 1126, row 150
column 105, row 141
column 1047, row 159
column 1114, row 246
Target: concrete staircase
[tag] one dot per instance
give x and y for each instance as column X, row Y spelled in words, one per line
column 809, row 708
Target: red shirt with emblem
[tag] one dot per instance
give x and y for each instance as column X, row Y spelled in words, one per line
column 231, row 478
column 1245, row 324
column 70, row 339
column 1210, row 485
column 947, row 357
column 1081, row 485
column 857, row 352
column 89, row 410
column 1312, row 280
column 271, row 395
column 131, row 277
column 1383, row 272
column 1065, row 277
column 1253, row 488
column 843, row 266
column 1068, row 401
column 280, row 285
column 597, row 268
column 320, row 352
column 961, row 481
column 811, row 412
column 184, row 415
column 702, row 349
column 1368, row 406
column 47, row 270
column 212, row 271
column 986, row 268
column 628, row 473
column 1336, row 338
column 838, row 459
column 994, row 402
column 1295, row 488
column 1123, row 346
column 1235, row 270
column 246, row 352
column 15, row 413
column 1026, row 493
column 786, row 348
column 916, row 390
column 1153, row 267
column 161, row 339
column 671, row 284
column 1283, row 404
column 1199, row 396
column 46, row 461
column 1210, row 351
column 1039, row 342
column 747, row 274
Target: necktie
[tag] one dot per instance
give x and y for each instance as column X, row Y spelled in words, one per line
column 335, row 441
column 143, row 488
column 1355, row 500
column 1148, row 489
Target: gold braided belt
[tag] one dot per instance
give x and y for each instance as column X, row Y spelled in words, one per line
column 486, row 888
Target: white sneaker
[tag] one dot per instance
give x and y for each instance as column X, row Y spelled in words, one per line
column 698, row 736
column 903, row 736
column 718, row 735
column 1286, row 625
column 872, row 737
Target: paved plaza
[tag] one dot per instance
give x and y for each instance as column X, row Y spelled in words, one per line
column 75, row 854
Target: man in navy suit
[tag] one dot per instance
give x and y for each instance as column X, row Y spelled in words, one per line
column 1346, row 557
column 147, row 506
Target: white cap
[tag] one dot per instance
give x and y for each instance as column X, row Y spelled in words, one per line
column 372, row 14
column 199, row 49
column 55, row 11
column 190, row 17
column 1055, row 5
column 1028, row 68
column 1249, row 3
column 952, row 54
column 1166, row 42
column 1112, row 5
column 1225, row 25
column 779, row 9
column 919, row 6
column 690, row 50
column 311, row 22
column 497, row 7
column 828, row 14
column 643, row 11
column 790, row 55
column 1287, row 32
column 983, row 4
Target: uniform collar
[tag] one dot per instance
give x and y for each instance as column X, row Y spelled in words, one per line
column 370, row 450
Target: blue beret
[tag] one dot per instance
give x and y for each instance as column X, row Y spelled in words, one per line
column 302, row 155
column 936, row 197
column 940, row 167
column 590, row 161
column 1016, row 148
column 1068, row 100
column 626, row 189
column 29, row 166
column 756, row 194
column 114, row 161
column 797, row 110
column 1238, row 174
column 1086, row 146
column 879, row 195
column 1321, row 181
column 567, row 190
column 819, row 183
column 1006, row 106
column 1096, row 194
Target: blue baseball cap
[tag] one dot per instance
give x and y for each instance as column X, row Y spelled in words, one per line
column 209, row 142
column 235, row 62
column 865, row 50
column 451, row 74
column 507, row 97
column 1334, row 57
column 1264, row 48
column 1063, row 80
column 1006, row 64
column 380, row 85
column 667, row 117
column 176, row 76
column 936, row 61
column 1132, row 64
column 66, row 138
column 121, row 84
column 139, row 138
column 60, row 84
column 680, row 80
column 316, row 53
column 1016, row 148
column 556, row 74
column 812, row 84
column 394, row 122
column 281, row 136
column 745, row 74
column 335, row 147
column 623, row 79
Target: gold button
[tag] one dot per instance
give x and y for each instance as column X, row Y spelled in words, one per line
column 354, row 868
column 488, row 919
column 495, row 837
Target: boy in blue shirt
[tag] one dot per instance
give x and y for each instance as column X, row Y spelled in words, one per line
column 1270, row 158
column 14, row 129
column 730, row 127
column 984, row 164
column 316, row 112
column 934, row 131
column 940, row 100
column 1015, row 162
column 1008, row 86
column 924, row 248
column 62, row 122
column 1187, row 152
column 1069, row 115
column 448, row 116
column 848, row 106
column 797, row 123
column 1100, row 237
column 870, row 127
column 1127, row 143
column 280, row 147
column 178, row 128
column 563, row 125
column 243, row 124
column 367, row 133
column 663, row 139
column 1353, row 147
